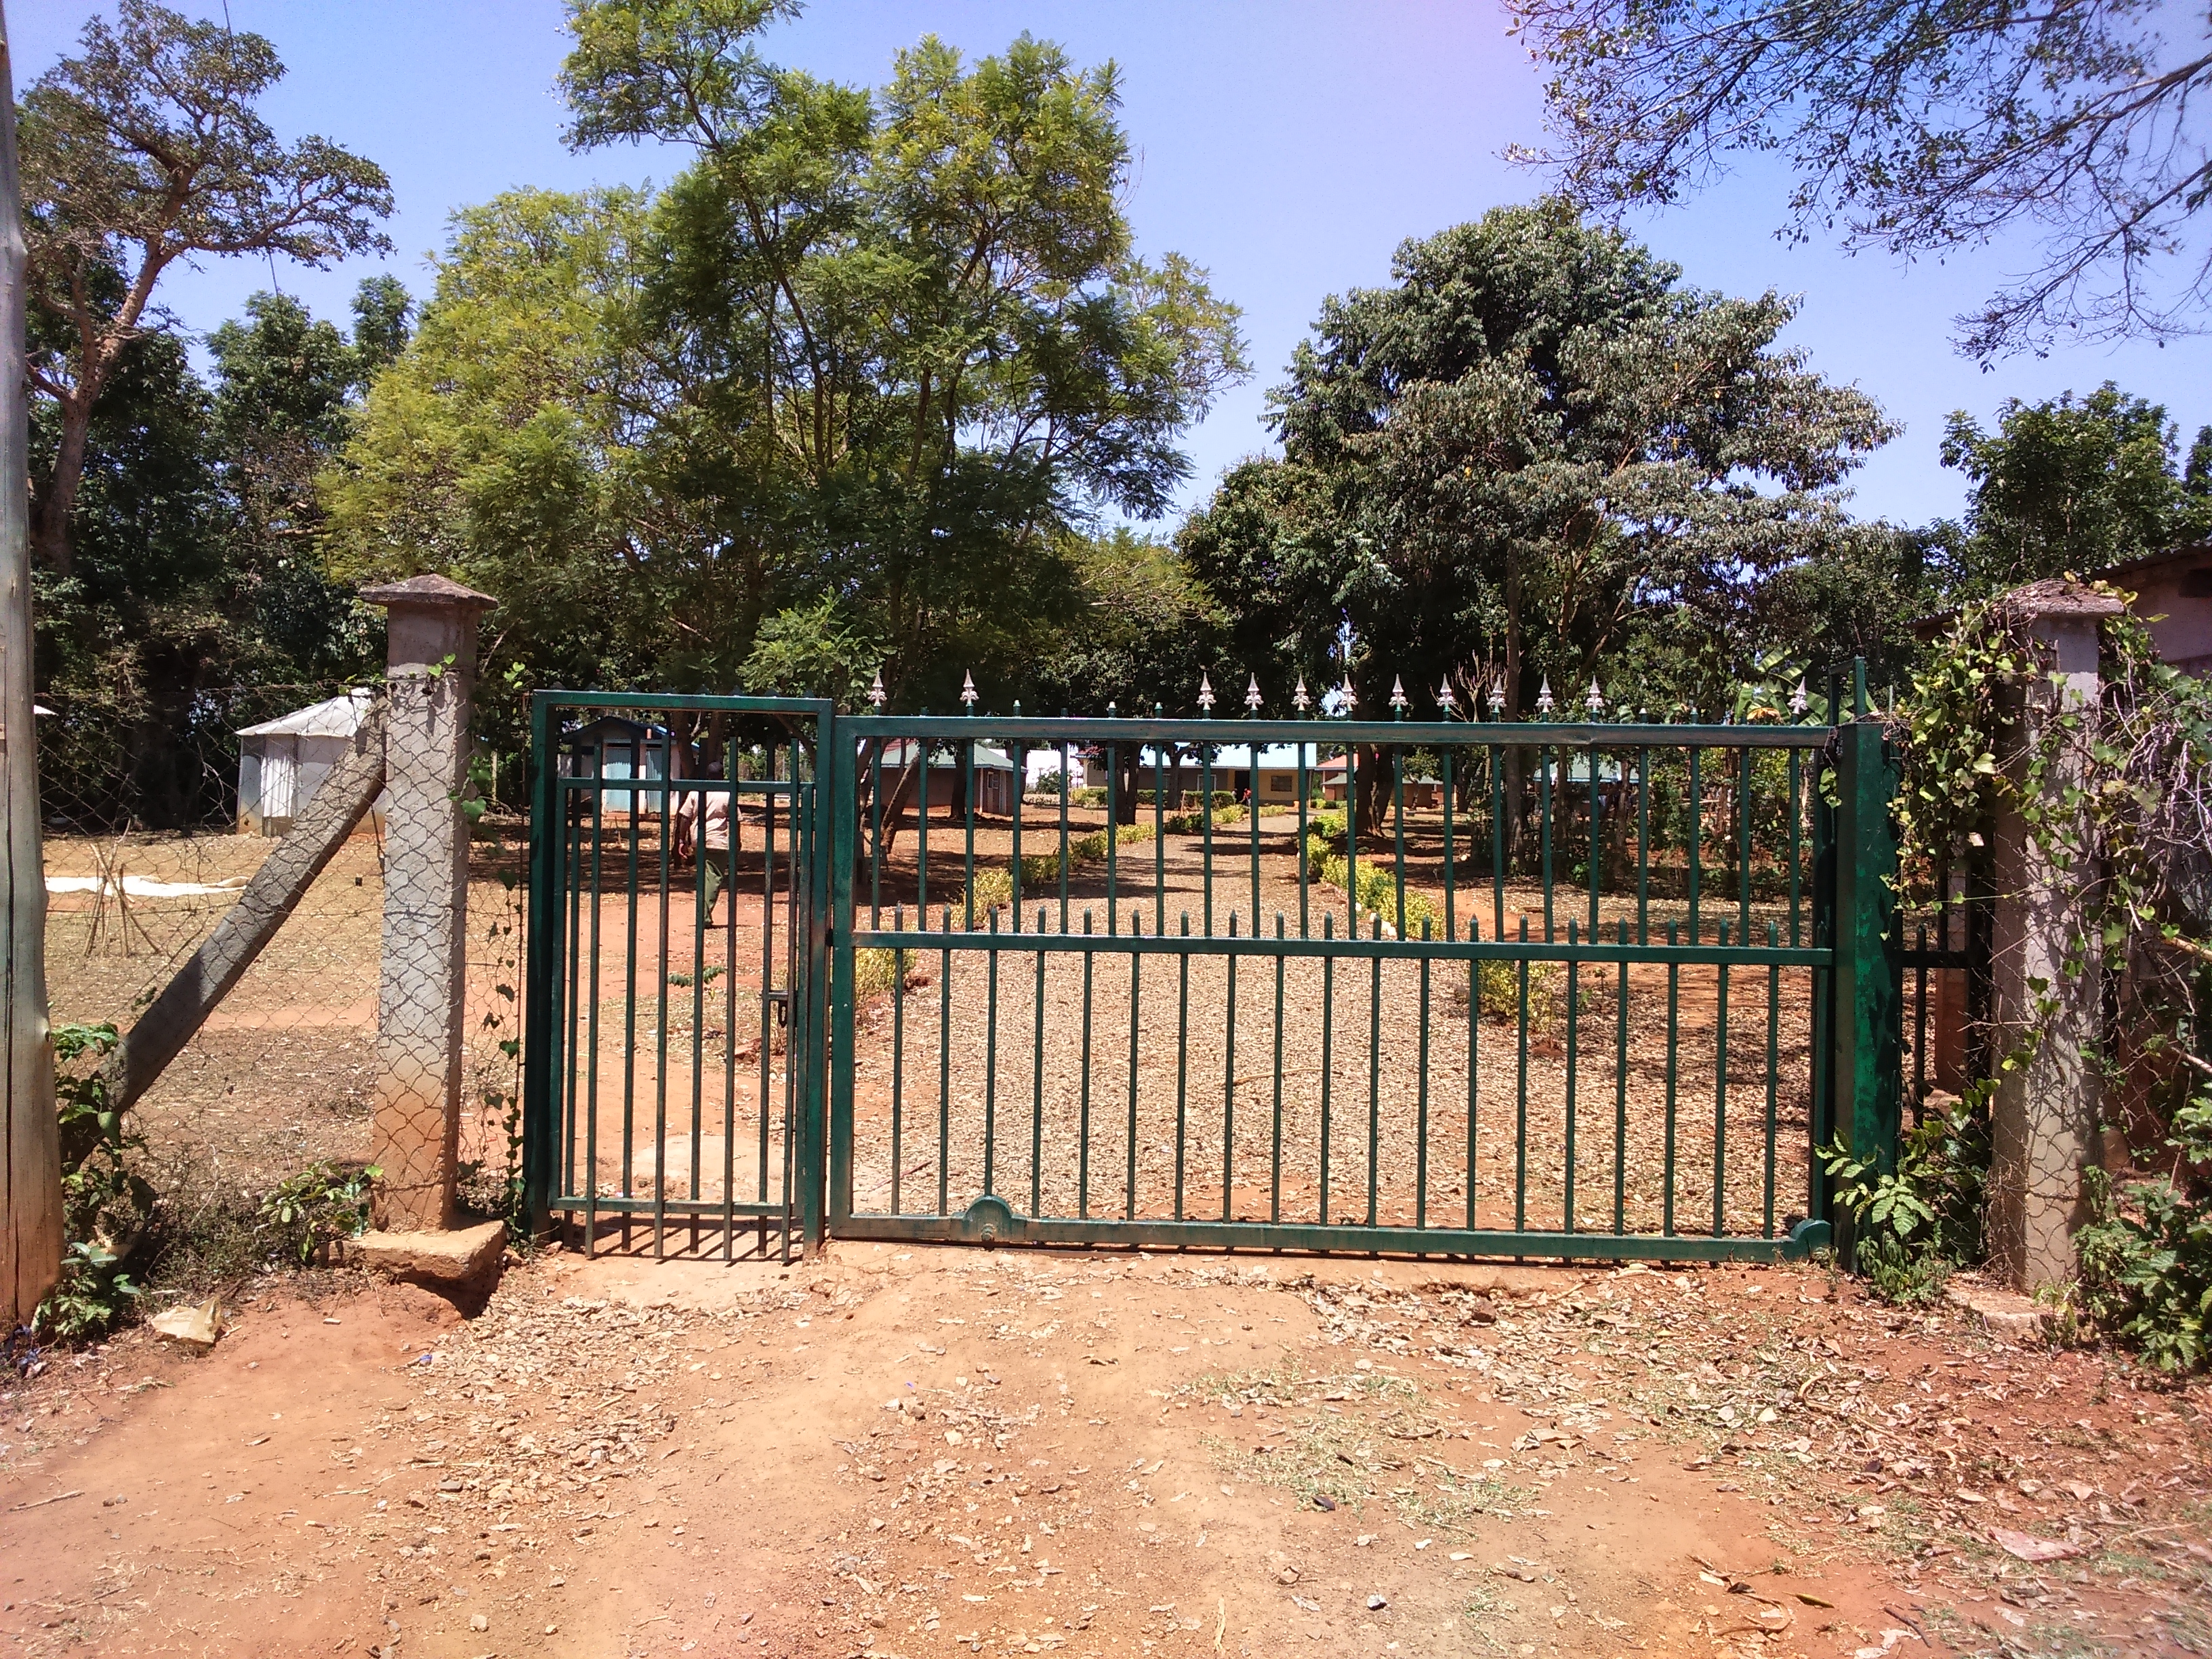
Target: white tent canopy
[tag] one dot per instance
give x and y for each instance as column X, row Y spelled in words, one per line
column 281, row 762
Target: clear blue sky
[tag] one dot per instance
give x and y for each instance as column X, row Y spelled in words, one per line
column 1287, row 145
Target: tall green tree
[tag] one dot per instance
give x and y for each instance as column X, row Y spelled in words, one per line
column 859, row 369
column 144, row 148
column 1497, row 468
column 2074, row 484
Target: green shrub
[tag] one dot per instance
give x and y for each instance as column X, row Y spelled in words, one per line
column 306, row 1213
column 106, row 1205
column 877, row 973
column 1917, row 1222
column 2147, row 1255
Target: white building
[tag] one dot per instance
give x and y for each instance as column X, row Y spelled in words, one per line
column 281, row 762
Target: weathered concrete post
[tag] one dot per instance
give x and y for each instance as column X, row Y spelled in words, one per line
column 2044, row 1116
column 431, row 659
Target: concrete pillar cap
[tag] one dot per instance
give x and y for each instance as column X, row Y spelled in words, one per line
column 2057, row 598
column 428, row 590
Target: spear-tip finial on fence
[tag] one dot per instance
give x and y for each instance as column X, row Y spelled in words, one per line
column 1800, row 701
column 1497, row 698
column 1252, row 698
column 1205, row 692
column 967, row 691
column 1112, row 712
column 1445, row 698
column 1594, row 699
column 877, row 695
column 1299, row 699
column 1544, row 704
column 1350, row 697
column 1398, row 704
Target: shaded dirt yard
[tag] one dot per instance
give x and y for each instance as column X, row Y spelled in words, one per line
column 895, row 1452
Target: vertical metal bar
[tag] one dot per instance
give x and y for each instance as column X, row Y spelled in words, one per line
column 1497, row 844
column 1543, row 820
column 629, row 992
column 1720, row 1090
column 1160, row 838
column 1574, row 996
column 1620, row 1095
column 1374, row 1075
column 592, row 1070
column 548, row 1136
column 1521, row 1098
column 924, row 748
column 698, row 999
column 1182, row 1062
column 1773, row 1061
column 1206, row 832
column 1868, row 1024
column 1398, row 821
column 898, row 1054
column 1421, row 1114
column 1275, row 1144
column 1674, row 1034
column 1252, row 808
column 1229, row 1080
column 968, row 812
column 1643, row 847
column 1797, row 822
column 1596, row 837
column 1745, row 781
column 1305, row 786
column 875, row 830
column 1474, row 1022
column 990, row 1053
column 1064, row 859
column 1452, row 915
column 660, row 1022
column 943, row 1065
column 1113, row 833
column 1020, row 752
column 1082, row 1143
column 1351, row 841
column 832, row 829
column 770, row 804
column 1697, row 837
column 1136, row 1027
column 730, row 1017
column 1328, row 1050
column 566, row 1073
column 1036, row 1087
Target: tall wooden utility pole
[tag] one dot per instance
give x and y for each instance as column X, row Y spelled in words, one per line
column 30, row 1226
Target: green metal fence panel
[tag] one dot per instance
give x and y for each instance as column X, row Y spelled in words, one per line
column 1249, row 1055
column 1866, row 1068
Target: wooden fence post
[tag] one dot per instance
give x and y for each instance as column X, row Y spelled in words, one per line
column 31, row 1226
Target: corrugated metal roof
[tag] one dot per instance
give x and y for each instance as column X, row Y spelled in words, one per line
column 339, row 717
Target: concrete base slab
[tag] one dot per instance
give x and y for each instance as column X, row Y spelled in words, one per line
column 464, row 1261
column 2004, row 1314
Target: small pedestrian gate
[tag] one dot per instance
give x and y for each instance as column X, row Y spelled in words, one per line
column 1574, row 990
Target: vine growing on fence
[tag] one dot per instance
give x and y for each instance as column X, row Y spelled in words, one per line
column 2116, row 795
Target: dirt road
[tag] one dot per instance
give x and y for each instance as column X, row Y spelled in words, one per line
column 905, row 1452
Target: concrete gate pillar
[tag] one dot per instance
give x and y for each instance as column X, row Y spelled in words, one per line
column 431, row 660
column 2044, row 1116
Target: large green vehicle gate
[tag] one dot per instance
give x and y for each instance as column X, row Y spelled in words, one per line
column 1153, row 1011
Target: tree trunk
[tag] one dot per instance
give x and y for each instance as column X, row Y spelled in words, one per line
column 58, row 500
column 1125, row 784
column 31, row 1227
column 1517, row 771
column 274, row 891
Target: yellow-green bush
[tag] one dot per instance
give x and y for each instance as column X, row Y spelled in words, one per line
column 877, row 973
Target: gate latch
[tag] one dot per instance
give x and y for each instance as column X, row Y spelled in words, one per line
column 783, row 1001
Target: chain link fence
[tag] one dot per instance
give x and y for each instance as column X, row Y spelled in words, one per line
column 149, row 837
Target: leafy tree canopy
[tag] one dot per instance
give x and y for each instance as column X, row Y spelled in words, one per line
column 147, row 147
column 862, row 368
column 2074, row 484
column 1534, row 443
column 1916, row 126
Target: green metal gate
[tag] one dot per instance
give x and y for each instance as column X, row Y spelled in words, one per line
column 1578, row 990
column 672, row 1061
column 1587, row 989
